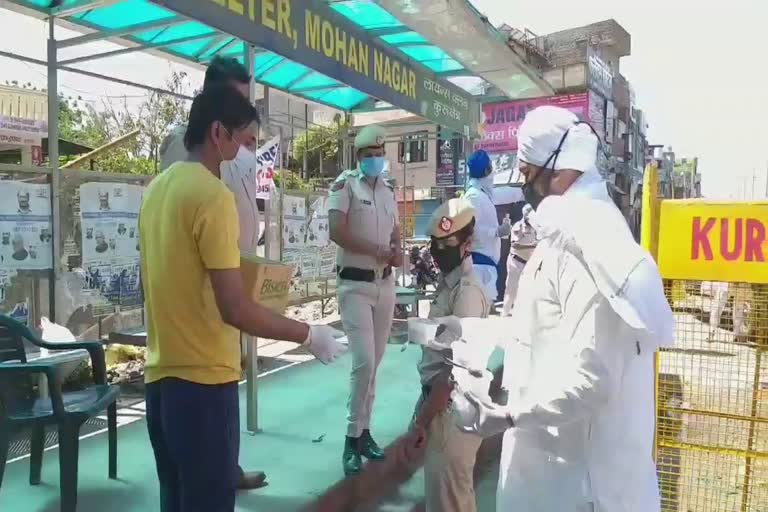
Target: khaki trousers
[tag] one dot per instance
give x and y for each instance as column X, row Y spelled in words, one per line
column 449, row 466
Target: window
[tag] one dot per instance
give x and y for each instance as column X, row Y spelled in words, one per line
column 413, row 149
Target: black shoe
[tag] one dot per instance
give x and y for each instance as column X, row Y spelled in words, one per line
column 351, row 459
column 368, row 447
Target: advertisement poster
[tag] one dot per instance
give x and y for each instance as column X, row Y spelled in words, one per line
column 109, row 215
column 317, row 232
column 25, row 227
column 446, row 158
column 294, row 221
column 266, row 156
column 500, row 121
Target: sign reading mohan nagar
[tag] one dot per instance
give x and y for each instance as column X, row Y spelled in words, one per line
column 311, row 33
column 714, row 241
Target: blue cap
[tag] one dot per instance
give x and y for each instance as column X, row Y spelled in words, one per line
column 478, row 163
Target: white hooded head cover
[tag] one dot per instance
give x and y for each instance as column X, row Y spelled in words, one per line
column 586, row 222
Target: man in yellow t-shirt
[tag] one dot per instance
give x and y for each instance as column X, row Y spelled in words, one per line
column 196, row 304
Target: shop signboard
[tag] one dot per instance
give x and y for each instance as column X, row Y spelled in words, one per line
column 313, row 34
column 446, row 161
column 600, row 78
column 597, row 114
column 500, row 121
column 713, row 241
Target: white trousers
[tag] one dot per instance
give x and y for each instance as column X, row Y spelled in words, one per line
column 487, row 275
column 366, row 313
column 514, row 270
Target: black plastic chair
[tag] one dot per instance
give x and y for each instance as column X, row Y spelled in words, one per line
column 67, row 410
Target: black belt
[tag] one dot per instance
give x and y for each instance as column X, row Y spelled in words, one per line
column 518, row 258
column 425, row 389
column 361, row 274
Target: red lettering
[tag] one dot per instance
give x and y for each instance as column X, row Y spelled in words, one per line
column 731, row 255
column 755, row 240
column 700, row 238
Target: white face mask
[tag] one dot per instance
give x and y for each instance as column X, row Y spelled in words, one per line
column 242, row 164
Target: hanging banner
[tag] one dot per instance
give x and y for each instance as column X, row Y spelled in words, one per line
column 500, row 121
column 19, row 131
column 711, row 241
column 109, row 214
column 25, row 226
column 266, row 156
column 313, row 33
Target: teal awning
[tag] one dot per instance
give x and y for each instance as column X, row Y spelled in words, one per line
column 150, row 26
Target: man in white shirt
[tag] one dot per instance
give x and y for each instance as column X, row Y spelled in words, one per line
column 239, row 175
column 486, row 243
column 523, row 242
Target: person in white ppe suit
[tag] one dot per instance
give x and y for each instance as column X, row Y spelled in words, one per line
column 486, row 244
column 579, row 421
column 523, row 242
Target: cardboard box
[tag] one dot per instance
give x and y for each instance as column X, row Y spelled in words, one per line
column 267, row 282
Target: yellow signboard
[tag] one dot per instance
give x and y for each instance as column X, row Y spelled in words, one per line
column 713, row 241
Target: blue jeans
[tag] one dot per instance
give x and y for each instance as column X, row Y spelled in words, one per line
column 195, row 434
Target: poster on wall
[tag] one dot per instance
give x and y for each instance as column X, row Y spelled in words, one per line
column 266, row 158
column 501, row 121
column 25, row 227
column 317, row 231
column 294, row 221
column 109, row 215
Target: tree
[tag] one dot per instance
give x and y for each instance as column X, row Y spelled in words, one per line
column 319, row 142
column 82, row 123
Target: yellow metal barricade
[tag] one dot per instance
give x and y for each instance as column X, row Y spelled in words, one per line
column 712, row 385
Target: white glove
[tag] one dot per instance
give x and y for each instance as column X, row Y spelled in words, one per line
column 322, row 342
column 452, row 323
column 474, row 416
column 447, row 332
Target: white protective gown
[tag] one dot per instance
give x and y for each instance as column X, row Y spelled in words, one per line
column 592, row 308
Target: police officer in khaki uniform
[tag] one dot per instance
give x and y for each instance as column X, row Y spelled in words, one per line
column 450, row 457
column 364, row 224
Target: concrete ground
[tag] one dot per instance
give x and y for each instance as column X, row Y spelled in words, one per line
column 302, row 412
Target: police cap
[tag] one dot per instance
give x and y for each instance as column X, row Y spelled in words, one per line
column 450, row 217
column 371, row 136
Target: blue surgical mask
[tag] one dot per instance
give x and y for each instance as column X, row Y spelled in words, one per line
column 372, row 165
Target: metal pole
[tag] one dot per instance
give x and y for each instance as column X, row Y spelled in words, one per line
column 305, row 170
column 53, row 157
column 251, row 343
column 766, row 181
column 405, row 200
